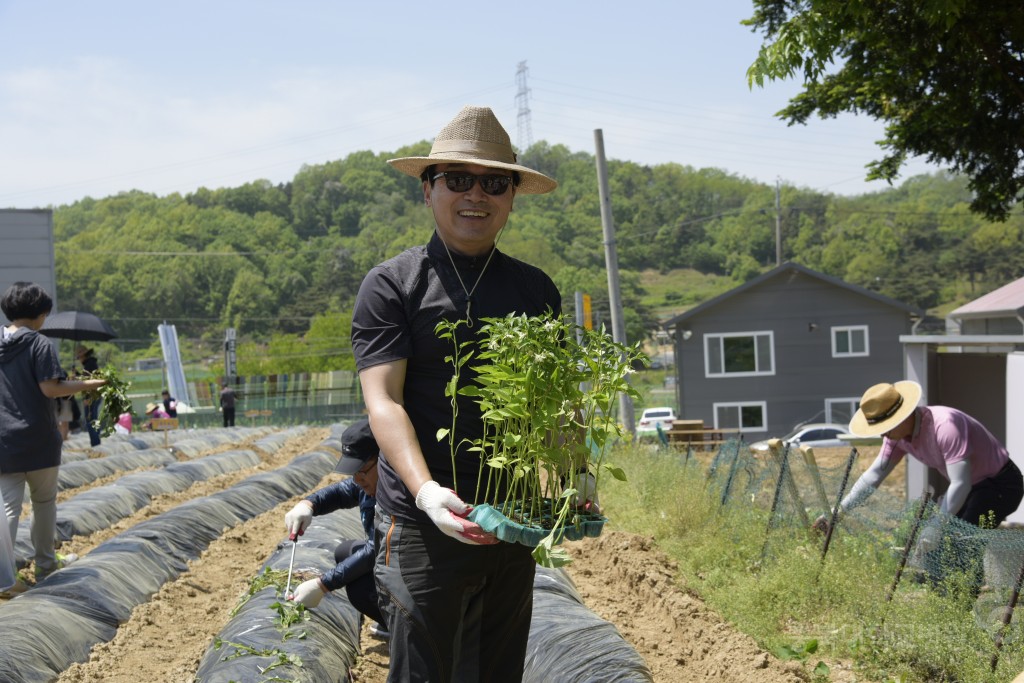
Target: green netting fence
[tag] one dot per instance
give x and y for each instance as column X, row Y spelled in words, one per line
column 283, row 399
column 917, row 553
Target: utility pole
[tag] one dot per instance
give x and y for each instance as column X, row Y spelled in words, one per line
column 778, row 225
column 611, row 260
column 525, row 130
column 230, row 357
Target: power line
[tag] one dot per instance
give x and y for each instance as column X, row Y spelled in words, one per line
column 112, row 252
column 683, row 224
column 400, row 116
column 210, row 319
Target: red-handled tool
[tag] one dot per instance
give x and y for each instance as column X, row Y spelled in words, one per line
column 291, row 563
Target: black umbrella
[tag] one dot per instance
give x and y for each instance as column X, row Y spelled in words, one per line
column 77, row 326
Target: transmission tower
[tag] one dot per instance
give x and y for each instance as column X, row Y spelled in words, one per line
column 523, row 107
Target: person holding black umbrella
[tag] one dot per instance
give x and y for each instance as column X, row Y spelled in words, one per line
column 79, row 326
column 30, row 443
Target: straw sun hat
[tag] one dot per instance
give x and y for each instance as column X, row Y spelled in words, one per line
column 884, row 406
column 475, row 136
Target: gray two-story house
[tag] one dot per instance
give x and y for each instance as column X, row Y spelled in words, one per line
column 790, row 346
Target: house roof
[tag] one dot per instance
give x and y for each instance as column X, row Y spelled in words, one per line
column 786, row 268
column 1006, row 301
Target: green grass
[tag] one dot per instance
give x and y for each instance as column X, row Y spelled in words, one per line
column 675, row 291
column 153, row 381
column 784, row 596
column 653, row 390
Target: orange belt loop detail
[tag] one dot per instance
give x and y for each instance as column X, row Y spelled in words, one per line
column 387, row 544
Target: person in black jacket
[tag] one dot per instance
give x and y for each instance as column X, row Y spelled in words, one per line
column 355, row 558
column 87, row 357
column 227, row 403
column 170, row 403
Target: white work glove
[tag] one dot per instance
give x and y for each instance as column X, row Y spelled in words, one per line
column 448, row 512
column 309, row 593
column 298, row 518
column 586, row 491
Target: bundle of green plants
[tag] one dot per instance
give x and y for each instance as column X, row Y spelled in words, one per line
column 546, row 389
column 114, row 395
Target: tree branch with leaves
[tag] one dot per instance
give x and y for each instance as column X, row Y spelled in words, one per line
column 946, row 78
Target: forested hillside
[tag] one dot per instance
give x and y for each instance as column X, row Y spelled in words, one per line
column 285, row 260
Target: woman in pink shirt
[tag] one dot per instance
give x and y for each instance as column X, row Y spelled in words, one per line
column 154, row 411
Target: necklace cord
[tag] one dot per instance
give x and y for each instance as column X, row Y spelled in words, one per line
column 469, row 292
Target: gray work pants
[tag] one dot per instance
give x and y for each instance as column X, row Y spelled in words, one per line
column 42, row 486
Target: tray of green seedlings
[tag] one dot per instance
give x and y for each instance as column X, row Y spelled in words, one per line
column 545, row 388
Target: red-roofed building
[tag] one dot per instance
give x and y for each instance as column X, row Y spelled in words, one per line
column 998, row 312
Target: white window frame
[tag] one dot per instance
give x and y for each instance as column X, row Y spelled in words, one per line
column 848, row 329
column 718, row 337
column 763, row 405
column 853, row 402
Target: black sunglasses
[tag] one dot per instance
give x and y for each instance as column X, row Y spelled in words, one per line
column 365, row 469
column 460, row 181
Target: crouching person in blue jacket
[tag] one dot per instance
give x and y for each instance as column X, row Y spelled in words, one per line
column 355, row 558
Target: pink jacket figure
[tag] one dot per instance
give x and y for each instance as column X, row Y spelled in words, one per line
column 124, row 424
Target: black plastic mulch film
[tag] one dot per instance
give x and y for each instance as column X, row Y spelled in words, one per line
column 56, row 624
column 568, row 642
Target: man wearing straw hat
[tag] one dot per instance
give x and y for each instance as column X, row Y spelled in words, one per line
column 983, row 480
column 458, row 602
column 985, row 486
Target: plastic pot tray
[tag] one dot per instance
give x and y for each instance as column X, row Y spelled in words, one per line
column 494, row 522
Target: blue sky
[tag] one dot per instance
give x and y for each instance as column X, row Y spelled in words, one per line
column 107, row 96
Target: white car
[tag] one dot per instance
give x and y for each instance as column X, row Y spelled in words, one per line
column 815, row 435
column 652, row 417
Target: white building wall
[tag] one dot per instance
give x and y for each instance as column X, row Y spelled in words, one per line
column 915, row 357
column 1014, row 423
column 26, row 250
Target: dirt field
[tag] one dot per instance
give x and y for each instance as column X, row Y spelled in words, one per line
column 623, row 578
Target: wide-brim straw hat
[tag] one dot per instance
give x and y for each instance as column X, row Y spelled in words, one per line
column 150, row 407
column 475, row 136
column 885, row 406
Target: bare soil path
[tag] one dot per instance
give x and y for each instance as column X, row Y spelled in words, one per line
column 622, row 577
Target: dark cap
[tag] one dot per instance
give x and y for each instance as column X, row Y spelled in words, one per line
column 357, row 446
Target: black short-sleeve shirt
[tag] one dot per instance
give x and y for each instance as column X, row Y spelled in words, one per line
column 397, row 309
column 29, row 439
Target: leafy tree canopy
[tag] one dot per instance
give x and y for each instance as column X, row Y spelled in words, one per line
column 281, row 264
column 946, row 77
